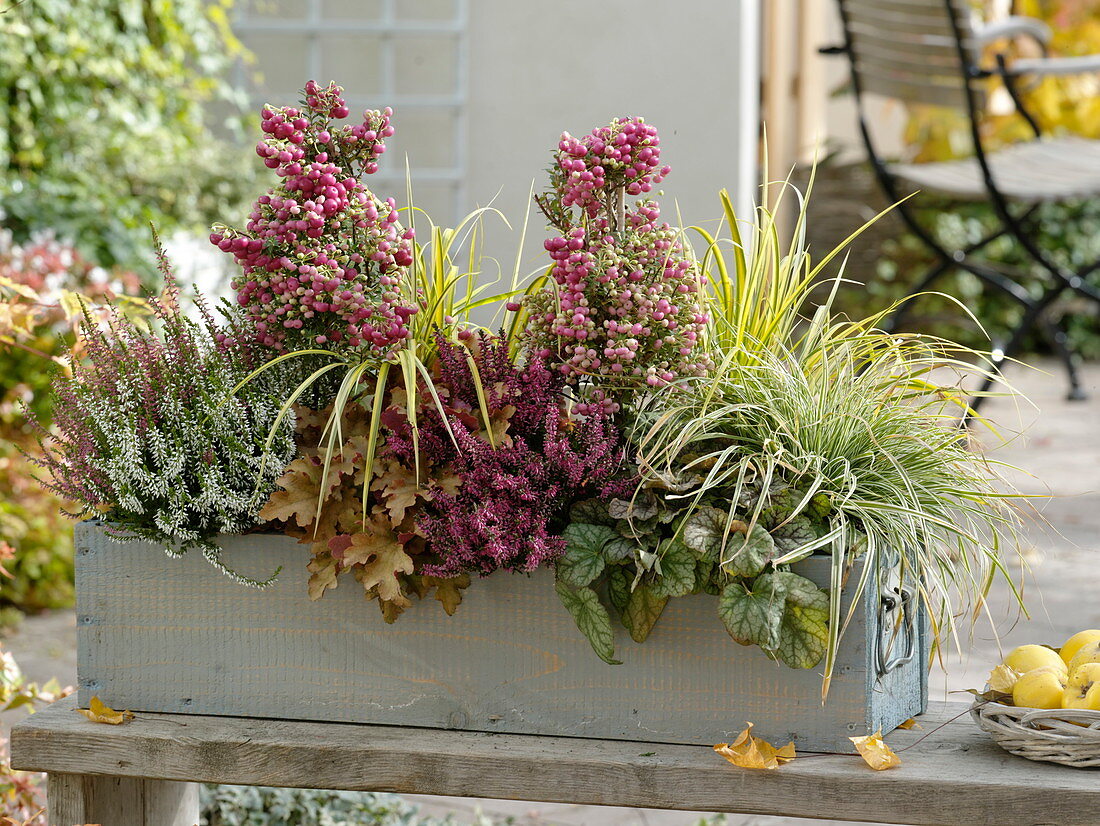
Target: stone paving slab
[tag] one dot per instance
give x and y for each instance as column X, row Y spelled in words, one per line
column 1058, row 445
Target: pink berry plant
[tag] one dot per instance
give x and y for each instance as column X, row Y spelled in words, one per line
column 322, row 256
column 625, row 308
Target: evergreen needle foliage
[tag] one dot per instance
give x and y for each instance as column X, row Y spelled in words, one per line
column 148, row 435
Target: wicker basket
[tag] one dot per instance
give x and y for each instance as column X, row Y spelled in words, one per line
column 1057, row 735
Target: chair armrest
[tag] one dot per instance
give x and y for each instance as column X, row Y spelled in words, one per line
column 1014, row 26
column 1053, row 66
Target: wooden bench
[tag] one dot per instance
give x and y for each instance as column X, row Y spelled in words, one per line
column 144, row 773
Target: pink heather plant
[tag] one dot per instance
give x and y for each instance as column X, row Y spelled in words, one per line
column 322, row 256
column 507, row 512
column 625, row 310
column 624, row 155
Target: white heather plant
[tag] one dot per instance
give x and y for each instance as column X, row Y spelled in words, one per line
column 149, row 435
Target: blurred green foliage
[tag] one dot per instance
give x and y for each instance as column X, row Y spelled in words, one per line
column 106, row 121
column 1069, row 232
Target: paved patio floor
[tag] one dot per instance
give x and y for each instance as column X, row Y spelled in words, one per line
column 1058, row 448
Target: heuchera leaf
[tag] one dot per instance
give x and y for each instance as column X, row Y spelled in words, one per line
column 583, row 559
column 710, row 534
column 639, row 530
column 642, row 611
column 447, row 591
column 751, row 617
column 618, row 587
column 704, row 530
column 677, row 571
column 642, row 507
column 592, row 619
column 819, row 506
column 620, row 549
column 704, row 577
column 378, row 559
column 746, row 556
column 297, row 499
column 798, row 533
column 399, row 489
column 590, row 511
column 804, row 631
column 323, row 569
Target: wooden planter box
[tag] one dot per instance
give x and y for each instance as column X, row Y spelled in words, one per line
column 174, row 635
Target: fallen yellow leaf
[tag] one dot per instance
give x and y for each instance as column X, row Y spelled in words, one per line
column 750, row 752
column 909, row 724
column 1003, row 679
column 100, row 712
column 876, row 753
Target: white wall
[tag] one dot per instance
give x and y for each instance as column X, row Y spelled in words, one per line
column 531, row 69
column 689, row 68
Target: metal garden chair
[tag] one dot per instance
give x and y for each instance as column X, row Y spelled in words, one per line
column 930, row 51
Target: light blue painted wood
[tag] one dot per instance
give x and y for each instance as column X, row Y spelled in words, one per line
column 174, row 635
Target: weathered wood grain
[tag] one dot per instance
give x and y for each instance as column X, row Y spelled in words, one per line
column 174, row 635
column 77, row 799
column 954, row 777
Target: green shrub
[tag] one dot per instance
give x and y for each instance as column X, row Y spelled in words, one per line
column 105, row 125
column 1069, row 232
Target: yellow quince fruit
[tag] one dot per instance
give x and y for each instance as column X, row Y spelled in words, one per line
column 1040, row 688
column 1077, row 642
column 1083, row 688
column 1029, row 657
column 1088, row 653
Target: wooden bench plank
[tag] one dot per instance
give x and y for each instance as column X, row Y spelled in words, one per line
column 955, row 776
column 120, row 801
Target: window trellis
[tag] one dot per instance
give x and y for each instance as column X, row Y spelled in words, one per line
column 408, row 54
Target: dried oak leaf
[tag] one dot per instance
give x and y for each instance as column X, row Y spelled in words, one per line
column 750, row 752
column 100, row 712
column 876, row 753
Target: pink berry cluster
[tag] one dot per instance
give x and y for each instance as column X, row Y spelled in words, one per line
column 623, row 155
column 624, row 311
column 322, row 257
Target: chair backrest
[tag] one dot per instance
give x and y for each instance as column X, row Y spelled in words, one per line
column 908, row 49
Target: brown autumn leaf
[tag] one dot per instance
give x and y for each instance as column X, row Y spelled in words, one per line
column 910, row 724
column 447, row 481
column 991, row 696
column 876, row 753
column 750, row 752
column 297, row 498
column 378, row 558
column 449, row 591
column 323, row 569
column 399, row 489
column 99, row 712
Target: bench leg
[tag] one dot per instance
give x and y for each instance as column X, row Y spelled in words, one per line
column 77, row 799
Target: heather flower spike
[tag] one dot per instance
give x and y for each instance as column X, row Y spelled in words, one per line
column 322, row 256
column 625, row 311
